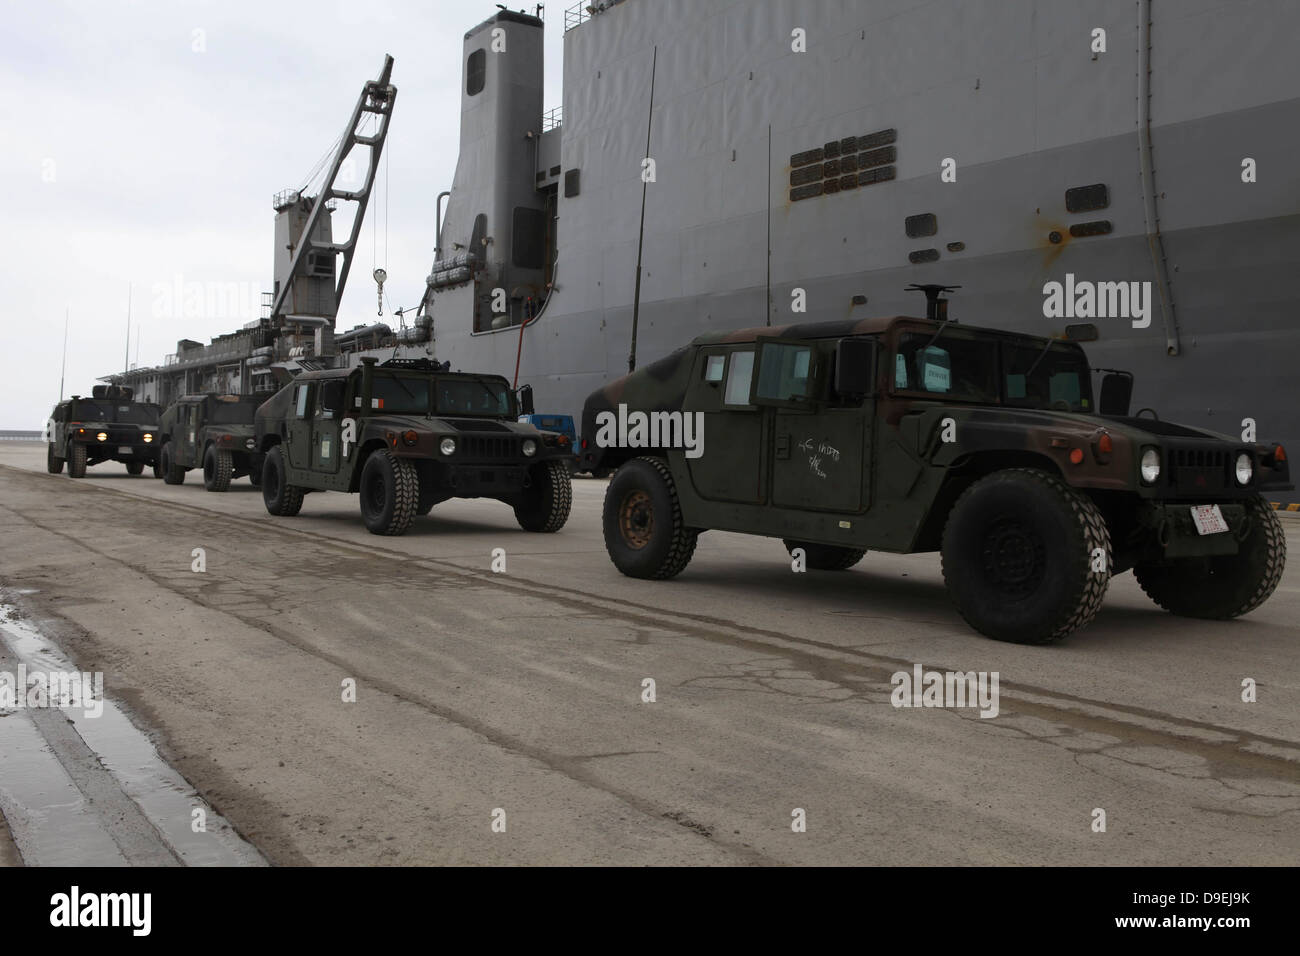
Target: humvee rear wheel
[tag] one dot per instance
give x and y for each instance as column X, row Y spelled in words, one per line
column 76, row 460
column 53, row 463
column 826, row 557
column 544, row 505
column 390, row 493
column 172, row 473
column 642, row 519
column 1222, row 586
column 280, row 497
column 217, row 468
column 1019, row 550
column 135, row 468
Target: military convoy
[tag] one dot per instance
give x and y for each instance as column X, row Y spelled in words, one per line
column 405, row 435
column 908, row 435
column 108, row 426
column 897, row 434
column 212, row 432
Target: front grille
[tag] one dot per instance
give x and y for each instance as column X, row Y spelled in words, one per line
column 485, row 447
column 1199, row 470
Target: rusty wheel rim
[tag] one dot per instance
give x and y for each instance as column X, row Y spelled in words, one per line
column 636, row 520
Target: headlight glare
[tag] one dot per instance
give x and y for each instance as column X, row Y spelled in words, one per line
column 529, row 447
column 102, row 436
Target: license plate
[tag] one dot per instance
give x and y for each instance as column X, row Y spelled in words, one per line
column 124, row 449
column 1208, row 519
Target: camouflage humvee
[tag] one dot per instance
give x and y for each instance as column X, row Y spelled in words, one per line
column 408, row 435
column 109, row 426
column 907, row 435
column 212, row 432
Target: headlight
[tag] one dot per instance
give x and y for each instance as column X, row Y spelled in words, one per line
column 102, row 436
column 250, row 444
column 530, row 447
column 447, row 446
column 148, row 436
column 1245, row 469
column 1150, row 466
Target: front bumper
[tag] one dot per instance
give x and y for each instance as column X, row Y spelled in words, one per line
column 1171, row 532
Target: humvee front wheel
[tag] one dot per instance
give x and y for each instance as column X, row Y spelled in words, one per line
column 544, row 505
column 280, row 497
column 1222, row 586
column 390, row 493
column 53, row 463
column 642, row 518
column 217, row 469
column 1019, row 552
column 77, row 460
column 826, row 557
column 135, row 468
column 172, row 473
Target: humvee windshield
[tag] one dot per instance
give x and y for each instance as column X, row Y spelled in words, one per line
column 950, row 366
column 1053, row 378
column 130, row 413
column 411, row 395
column 1033, row 375
column 233, row 413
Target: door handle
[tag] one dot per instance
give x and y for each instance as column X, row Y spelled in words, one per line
column 782, row 447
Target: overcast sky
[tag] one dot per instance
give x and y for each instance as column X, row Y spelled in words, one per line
column 141, row 153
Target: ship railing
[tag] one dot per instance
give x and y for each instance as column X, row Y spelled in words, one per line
column 552, row 119
column 582, row 12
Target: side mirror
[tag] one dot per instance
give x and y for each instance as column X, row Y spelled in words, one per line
column 526, row 400
column 855, row 367
column 331, row 396
column 1116, row 394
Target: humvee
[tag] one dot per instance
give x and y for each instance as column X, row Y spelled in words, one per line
column 908, row 435
column 406, row 435
column 109, row 426
column 212, row 432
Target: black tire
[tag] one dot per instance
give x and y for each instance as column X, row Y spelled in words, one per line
column 217, row 469
column 1018, row 551
column 135, row 468
column 390, row 493
column 76, row 460
column 157, row 465
column 53, row 463
column 280, row 497
column 172, row 473
column 827, row 557
column 545, row 504
column 642, row 518
column 1222, row 586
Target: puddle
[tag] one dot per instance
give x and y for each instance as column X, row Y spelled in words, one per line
column 163, row 795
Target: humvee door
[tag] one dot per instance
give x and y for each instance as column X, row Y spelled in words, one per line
column 731, row 468
column 328, row 410
column 820, row 439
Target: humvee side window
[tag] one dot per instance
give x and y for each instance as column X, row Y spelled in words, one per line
column 713, row 368
column 303, row 392
column 739, row 376
column 784, row 372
